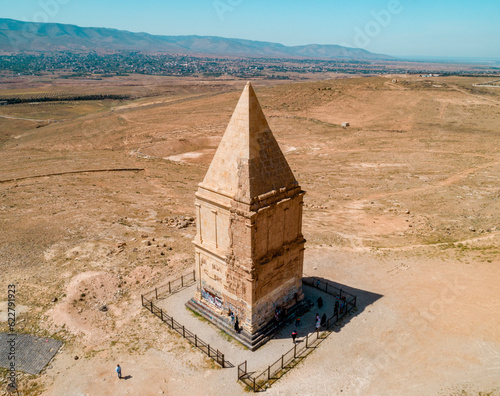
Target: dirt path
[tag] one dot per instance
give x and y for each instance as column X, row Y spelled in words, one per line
column 73, row 172
column 455, row 88
column 25, row 119
column 447, row 182
column 144, row 106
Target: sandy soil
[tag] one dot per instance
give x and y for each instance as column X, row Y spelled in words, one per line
column 402, row 207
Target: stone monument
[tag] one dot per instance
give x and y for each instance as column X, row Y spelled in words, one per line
column 249, row 246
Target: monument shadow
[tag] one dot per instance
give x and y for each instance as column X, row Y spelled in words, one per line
column 314, row 288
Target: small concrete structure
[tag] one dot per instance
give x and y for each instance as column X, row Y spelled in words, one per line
column 345, row 125
column 249, row 246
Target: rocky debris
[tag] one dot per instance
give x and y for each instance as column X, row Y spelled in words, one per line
column 315, row 206
column 54, row 299
column 104, row 308
column 178, row 221
column 146, row 242
column 76, row 358
column 472, row 229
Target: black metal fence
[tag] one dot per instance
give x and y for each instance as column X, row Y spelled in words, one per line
column 287, row 361
column 347, row 301
column 172, row 286
column 169, row 288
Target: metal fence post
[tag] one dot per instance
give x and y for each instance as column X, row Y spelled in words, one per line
column 223, row 361
column 156, row 293
column 142, row 300
column 195, row 340
column 282, row 362
column 172, row 321
column 209, row 350
column 295, row 351
column 183, row 331
column 161, row 314
column 194, row 275
column 151, row 303
column 254, row 388
column 268, row 373
column 307, row 338
column 182, row 280
column 169, row 287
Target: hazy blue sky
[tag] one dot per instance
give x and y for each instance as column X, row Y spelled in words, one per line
column 459, row 28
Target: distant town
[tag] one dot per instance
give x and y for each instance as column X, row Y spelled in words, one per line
column 102, row 65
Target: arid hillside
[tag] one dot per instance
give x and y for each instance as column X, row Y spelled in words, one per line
column 96, row 201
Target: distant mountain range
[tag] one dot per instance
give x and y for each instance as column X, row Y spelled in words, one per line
column 17, row 36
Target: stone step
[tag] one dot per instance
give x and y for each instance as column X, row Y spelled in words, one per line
column 242, row 337
column 251, row 341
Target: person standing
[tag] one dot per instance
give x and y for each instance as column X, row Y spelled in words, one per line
column 320, row 302
column 294, row 336
column 118, row 371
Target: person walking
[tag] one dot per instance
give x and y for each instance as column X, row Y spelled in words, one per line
column 294, row 336
column 118, row 371
column 297, row 321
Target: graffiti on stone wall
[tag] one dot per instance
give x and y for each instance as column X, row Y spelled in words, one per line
column 212, row 298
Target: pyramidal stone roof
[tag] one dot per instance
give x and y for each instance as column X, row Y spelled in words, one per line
column 249, row 161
